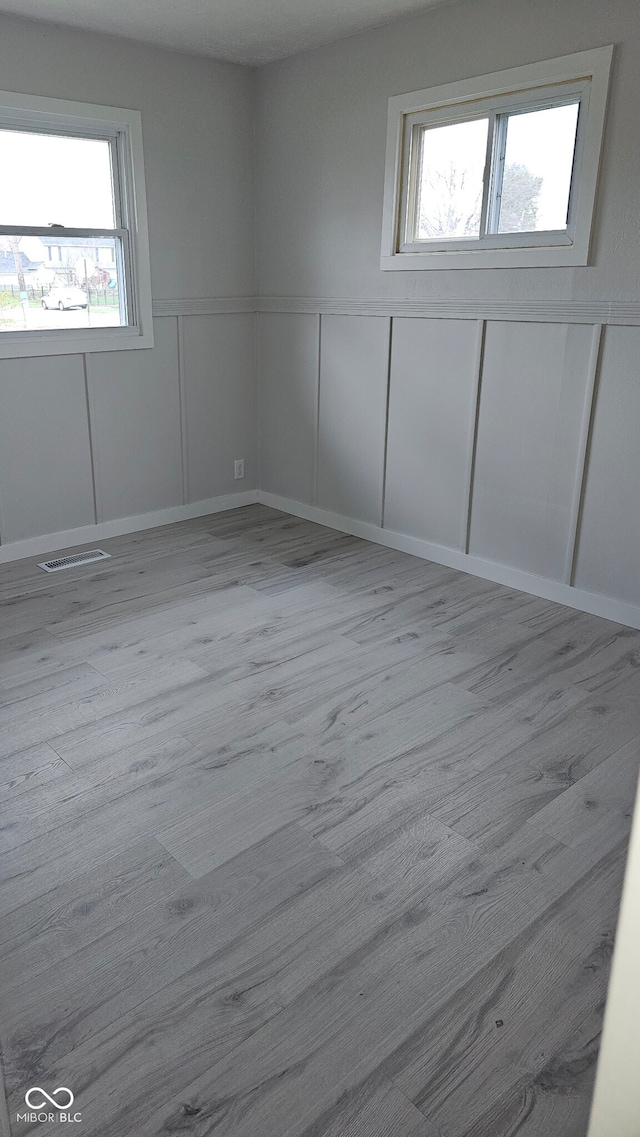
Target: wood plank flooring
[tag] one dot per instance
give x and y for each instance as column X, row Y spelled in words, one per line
column 304, row 837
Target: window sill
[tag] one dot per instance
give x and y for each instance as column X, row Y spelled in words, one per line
column 20, row 345
column 551, row 256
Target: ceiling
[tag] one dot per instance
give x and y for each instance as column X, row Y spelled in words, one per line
column 241, row 31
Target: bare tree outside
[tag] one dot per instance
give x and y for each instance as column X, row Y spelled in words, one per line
column 451, row 201
column 519, row 205
column 451, row 179
column 14, row 245
column 454, row 204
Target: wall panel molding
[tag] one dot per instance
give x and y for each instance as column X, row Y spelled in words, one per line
column 472, row 449
column 433, row 390
column 534, row 383
column 352, row 413
column 582, row 464
column 183, row 411
column 288, row 368
column 536, row 311
column 93, row 441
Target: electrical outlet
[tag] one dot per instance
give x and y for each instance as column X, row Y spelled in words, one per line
column 238, row 469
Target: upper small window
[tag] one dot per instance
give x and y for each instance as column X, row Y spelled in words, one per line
column 497, row 171
column 74, row 262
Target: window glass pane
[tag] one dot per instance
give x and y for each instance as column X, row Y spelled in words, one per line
column 537, row 169
column 60, row 282
column 50, row 179
column 451, row 179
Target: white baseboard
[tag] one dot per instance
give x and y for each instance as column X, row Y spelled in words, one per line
column 70, row 538
column 593, row 602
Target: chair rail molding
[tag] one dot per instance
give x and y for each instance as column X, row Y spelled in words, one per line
column 535, row 311
column 205, row 306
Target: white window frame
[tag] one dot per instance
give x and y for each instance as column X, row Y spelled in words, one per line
column 123, row 129
column 584, row 76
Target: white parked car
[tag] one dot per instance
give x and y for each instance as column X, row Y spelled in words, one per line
column 65, row 297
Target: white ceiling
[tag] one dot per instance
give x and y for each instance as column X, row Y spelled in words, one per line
column 242, row 31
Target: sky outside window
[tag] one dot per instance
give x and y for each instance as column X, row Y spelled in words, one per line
column 50, row 179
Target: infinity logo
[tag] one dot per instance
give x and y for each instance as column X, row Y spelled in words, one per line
column 39, row 1090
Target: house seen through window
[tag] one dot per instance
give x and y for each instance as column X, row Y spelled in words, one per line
column 62, row 255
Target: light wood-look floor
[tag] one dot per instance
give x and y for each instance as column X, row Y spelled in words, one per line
column 303, row 837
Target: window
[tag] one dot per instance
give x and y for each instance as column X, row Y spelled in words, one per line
column 74, row 258
column 498, row 171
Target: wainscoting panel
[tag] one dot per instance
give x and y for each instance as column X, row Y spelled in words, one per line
column 220, row 403
column 608, row 557
column 288, row 362
column 354, row 353
column 511, row 445
column 135, row 420
column 534, row 384
column 45, row 455
column 432, row 397
column 117, row 441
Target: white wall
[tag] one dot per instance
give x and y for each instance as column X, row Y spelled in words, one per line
column 117, row 434
column 321, row 147
column 510, row 417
